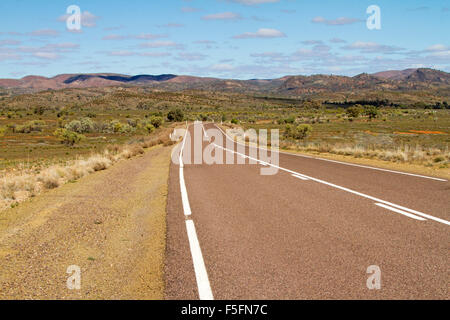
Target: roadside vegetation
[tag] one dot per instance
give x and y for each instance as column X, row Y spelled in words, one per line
column 50, row 128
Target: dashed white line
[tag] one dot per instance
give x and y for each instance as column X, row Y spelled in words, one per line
column 347, row 190
column 300, row 177
column 339, row 162
column 400, row 211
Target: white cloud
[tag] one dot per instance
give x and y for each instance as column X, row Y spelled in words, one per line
column 9, row 42
column 372, row 47
column 44, row 33
column 261, row 33
column 121, row 53
column 337, row 40
column 222, row 16
column 155, row 54
column 191, row 56
column 88, row 19
column 150, row 36
column 438, row 47
column 9, row 56
column 171, row 25
column 253, row 2
column 159, row 44
column 114, row 37
column 336, row 22
column 189, row 9
column 46, row 55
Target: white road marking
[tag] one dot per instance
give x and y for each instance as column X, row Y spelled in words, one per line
column 204, row 288
column 184, row 195
column 340, row 162
column 201, row 276
column 300, row 177
column 400, row 211
column 347, row 190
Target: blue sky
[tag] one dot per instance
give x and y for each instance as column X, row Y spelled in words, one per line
column 240, row 39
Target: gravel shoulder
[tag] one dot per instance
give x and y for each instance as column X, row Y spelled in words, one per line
column 111, row 224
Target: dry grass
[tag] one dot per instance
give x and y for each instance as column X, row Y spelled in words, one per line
column 20, row 185
column 402, row 154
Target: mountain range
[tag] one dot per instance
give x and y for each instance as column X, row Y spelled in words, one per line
column 405, row 80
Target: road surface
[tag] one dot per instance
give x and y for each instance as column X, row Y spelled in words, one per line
column 311, row 231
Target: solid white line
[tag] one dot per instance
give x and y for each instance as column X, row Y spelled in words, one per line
column 400, row 211
column 300, row 177
column 348, row 190
column 184, row 195
column 339, row 162
column 204, row 288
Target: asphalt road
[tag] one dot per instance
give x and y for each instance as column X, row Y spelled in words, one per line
column 238, row 234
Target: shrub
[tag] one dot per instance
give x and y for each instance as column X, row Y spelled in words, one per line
column 99, row 163
column 39, row 110
column 84, row 125
column 234, row 121
column 156, row 121
column 149, row 127
column 371, row 111
column 50, row 178
column 354, row 111
column 2, row 131
column 31, row 126
column 74, row 126
column 126, row 128
column 68, row 137
column 301, row 131
column 175, row 115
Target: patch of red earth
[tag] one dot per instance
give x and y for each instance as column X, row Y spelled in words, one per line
column 427, row 132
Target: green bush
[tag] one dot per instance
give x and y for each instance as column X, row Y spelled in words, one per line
column 299, row 132
column 126, row 128
column 175, row 115
column 234, row 121
column 149, row 127
column 68, row 137
column 84, row 125
column 156, row 121
column 371, row 111
column 2, row 131
column 31, row 126
column 354, row 111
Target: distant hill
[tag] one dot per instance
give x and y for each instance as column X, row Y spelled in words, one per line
column 409, row 79
column 416, row 75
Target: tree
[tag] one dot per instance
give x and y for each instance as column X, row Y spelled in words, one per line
column 175, row 115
